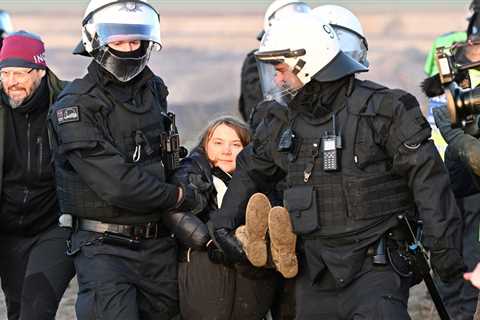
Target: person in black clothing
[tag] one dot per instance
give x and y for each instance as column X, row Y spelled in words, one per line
column 34, row 269
column 461, row 297
column 111, row 133
column 207, row 289
column 358, row 161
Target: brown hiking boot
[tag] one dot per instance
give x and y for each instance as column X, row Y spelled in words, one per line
column 241, row 236
column 282, row 242
column 252, row 235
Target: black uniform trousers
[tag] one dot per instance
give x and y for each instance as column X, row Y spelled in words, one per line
column 35, row 272
column 459, row 296
column 377, row 293
column 210, row 291
column 117, row 283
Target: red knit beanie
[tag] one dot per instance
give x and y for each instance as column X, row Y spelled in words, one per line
column 23, row 49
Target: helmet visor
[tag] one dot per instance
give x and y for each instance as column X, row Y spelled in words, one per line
column 280, row 85
column 352, row 45
column 125, row 21
column 112, row 32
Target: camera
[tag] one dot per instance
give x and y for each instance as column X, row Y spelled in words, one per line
column 463, row 103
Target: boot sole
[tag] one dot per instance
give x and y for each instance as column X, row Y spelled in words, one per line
column 283, row 242
column 256, row 224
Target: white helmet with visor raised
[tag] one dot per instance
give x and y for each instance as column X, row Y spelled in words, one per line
column 309, row 47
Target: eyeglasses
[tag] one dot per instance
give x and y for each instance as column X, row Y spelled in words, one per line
column 20, row 76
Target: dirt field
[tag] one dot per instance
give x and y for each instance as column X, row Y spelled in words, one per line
column 201, row 63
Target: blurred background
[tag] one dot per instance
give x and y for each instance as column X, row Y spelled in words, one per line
column 205, row 42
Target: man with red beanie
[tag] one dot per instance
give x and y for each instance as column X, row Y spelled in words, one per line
column 34, row 269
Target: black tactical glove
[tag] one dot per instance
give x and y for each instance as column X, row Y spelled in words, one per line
column 194, row 194
column 447, row 264
column 216, row 255
column 192, row 200
column 187, row 228
column 231, row 247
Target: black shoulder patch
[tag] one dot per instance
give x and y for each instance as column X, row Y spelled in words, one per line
column 66, row 115
column 409, row 101
column 386, row 106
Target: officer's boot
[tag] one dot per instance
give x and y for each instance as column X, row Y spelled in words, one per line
column 282, row 242
column 252, row 235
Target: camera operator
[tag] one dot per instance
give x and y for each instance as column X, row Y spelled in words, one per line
column 462, row 160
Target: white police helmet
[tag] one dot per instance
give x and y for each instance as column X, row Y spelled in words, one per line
column 348, row 28
column 309, row 46
column 107, row 21
column 283, row 8
column 6, row 26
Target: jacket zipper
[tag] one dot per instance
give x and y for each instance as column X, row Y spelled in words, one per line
column 29, row 154
column 29, row 166
column 40, row 155
column 25, row 200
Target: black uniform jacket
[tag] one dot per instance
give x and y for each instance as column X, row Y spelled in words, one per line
column 411, row 155
column 84, row 122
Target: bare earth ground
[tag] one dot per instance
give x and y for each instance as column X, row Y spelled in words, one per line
column 201, row 63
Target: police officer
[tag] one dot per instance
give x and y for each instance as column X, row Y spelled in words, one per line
column 111, row 169
column 357, row 157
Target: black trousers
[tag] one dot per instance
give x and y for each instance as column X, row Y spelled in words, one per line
column 378, row 293
column 283, row 307
column 459, row 296
column 35, row 273
column 211, row 291
column 117, row 283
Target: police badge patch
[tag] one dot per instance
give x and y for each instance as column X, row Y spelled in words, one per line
column 70, row 114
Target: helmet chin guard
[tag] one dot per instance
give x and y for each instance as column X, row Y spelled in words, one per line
column 124, row 66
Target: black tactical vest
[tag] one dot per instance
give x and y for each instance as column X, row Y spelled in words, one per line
column 134, row 131
column 362, row 193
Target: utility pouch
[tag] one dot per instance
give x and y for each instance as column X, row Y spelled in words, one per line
column 301, row 202
column 376, row 196
column 120, row 241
